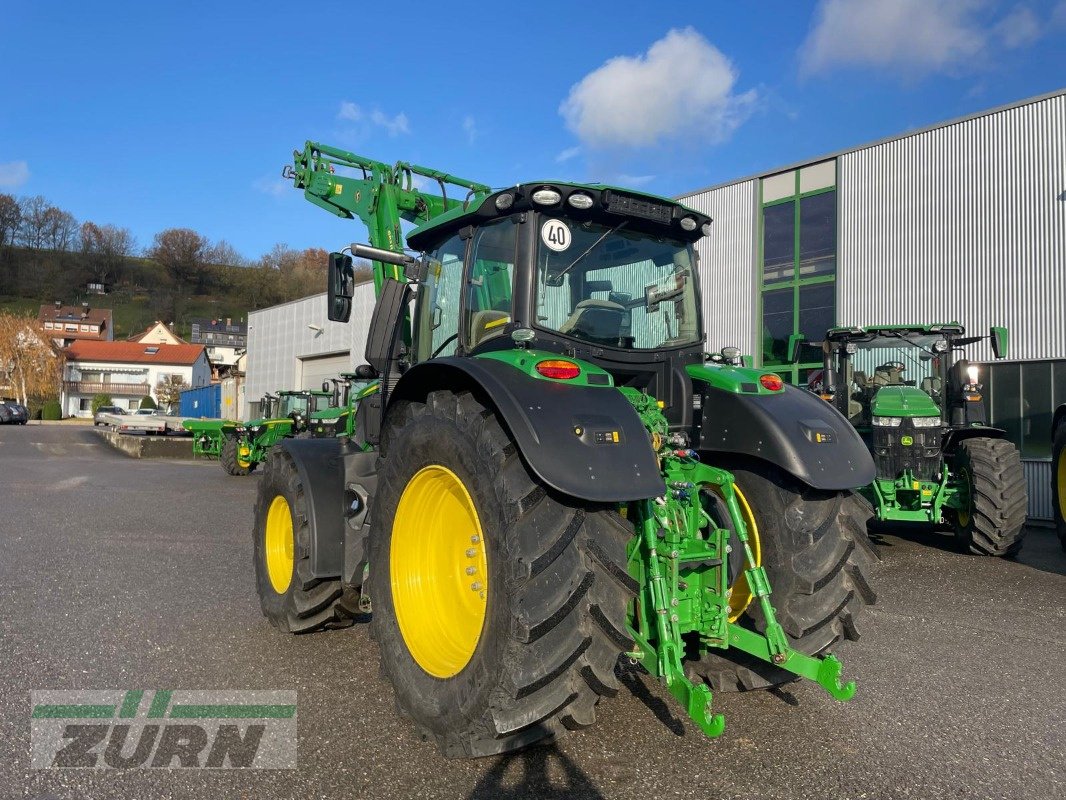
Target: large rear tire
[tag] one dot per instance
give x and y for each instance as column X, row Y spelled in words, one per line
column 290, row 596
column 231, row 459
column 1058, row 480
column 512, row 638
column 820, row 563
column 994, row 523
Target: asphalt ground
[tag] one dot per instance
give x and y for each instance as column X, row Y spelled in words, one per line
column 123, row 573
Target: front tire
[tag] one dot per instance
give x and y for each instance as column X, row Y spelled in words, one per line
column 547, row 633
column 290, row 596
column 994, row 522
column 820, row 563
column 231, row 459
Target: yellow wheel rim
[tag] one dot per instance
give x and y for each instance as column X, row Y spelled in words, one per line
column 438, row 571
column 740, row 597
column 1060, row 482
column 242, row 456
column 278, row 544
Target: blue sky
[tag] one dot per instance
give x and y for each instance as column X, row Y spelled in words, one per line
column 167, row 114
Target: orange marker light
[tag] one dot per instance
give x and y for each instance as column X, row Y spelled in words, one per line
column 558, row 369
column 772, row 382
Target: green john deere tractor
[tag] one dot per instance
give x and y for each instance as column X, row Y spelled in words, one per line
column 550, row 475
column 241, row 446
column 1058, row 471
column 919, row 408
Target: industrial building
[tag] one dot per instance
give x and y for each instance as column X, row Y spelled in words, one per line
column 963, row 221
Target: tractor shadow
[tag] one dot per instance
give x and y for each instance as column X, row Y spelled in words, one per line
column 543, row 771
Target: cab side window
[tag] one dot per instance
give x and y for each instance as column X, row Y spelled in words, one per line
column 488, row 287
column 437, row 310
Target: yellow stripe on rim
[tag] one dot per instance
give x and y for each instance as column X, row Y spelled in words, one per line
column 740, row 598
column 1060, row 481
column 278, row 545
column 438, row 571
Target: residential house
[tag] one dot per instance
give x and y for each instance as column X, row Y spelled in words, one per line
column 127, row 371
column 157, row 333
column 66, row 324
column 226, row 342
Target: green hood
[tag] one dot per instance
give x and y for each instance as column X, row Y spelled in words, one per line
column 903, row 401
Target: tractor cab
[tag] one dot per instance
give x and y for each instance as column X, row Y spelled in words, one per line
column 584, row 271
column 884, row 376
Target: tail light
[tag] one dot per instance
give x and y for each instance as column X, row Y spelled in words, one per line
column 559, row 369
column 772, row 382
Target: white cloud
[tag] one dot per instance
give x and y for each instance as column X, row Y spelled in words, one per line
column 1019, row 28
column 682, row 87
column 636, row 181
column 567, row 154
column 275, row 187
column 915, row 36
column 393, row 126
column 470, row 128
column 13, row 174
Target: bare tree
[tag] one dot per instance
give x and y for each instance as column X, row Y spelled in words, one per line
column 61, row 229
column 106, row 248
column 10, row 218
column 222, row 253
column 33, row 228
column 28, row 359
column 183, row 253
column 168, row 390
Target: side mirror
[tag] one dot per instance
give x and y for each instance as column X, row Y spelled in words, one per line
column 795, row 342
column 1000, row 340
column 341, row 285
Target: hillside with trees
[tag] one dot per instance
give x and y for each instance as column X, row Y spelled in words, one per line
column 47, row 255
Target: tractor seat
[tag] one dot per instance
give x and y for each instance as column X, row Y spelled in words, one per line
column 932, row 386
column 486, row 324
column 598, row 320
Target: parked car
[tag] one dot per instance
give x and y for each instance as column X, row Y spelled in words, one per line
column 105, row 415
column 12, row 413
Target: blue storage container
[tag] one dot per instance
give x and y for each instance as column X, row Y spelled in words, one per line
column 205, row 401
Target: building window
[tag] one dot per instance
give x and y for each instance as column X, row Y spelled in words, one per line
column 1021, row 397
column 798, row 263
column 85, row 404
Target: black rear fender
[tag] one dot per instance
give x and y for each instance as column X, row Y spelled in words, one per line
column 793, row 429
column 560, row 429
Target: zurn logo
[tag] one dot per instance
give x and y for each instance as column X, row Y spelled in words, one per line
column 163, row 729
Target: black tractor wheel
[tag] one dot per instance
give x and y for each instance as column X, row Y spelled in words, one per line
column 291, row 598
column 1058, row 481
column 231, row 459
column 499, row 606
column 820, row 563
column 994, row 523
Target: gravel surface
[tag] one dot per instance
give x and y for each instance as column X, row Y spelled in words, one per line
column 126, row 574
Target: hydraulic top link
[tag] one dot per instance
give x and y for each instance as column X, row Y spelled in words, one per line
column 376, row 193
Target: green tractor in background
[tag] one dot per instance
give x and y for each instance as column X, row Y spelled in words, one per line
column 241, row 446
column 1058, row 471
column 550, row 473
column 919, row 407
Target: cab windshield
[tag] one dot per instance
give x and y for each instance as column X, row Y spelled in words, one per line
column 614, row 287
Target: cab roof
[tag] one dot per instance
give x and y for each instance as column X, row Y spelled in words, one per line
column 650, row 212
column 895, row 331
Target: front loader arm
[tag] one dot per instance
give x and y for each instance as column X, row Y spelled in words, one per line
column 379, row 195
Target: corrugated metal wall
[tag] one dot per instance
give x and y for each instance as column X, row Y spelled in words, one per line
column 965, row 222
column 279, row 336
column 727, row 265
column 1038, row 477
